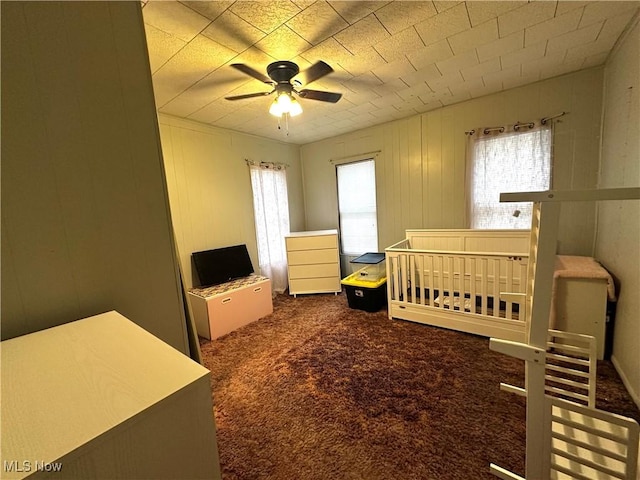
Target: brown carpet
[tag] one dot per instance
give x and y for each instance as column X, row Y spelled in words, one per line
column 320, row 391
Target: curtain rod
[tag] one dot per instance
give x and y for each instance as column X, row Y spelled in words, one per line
column 274, row 165
column 517, row 126
column 354, row 158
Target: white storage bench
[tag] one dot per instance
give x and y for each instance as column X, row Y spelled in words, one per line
column 220, row 309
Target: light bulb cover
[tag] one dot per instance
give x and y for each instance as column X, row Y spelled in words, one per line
column 296, row 108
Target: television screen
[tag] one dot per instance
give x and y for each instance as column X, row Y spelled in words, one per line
column 222, row 264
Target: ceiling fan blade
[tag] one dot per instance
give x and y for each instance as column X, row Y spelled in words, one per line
column 320, row 95
column 249, row 95
column 247, row 70
column 311, row 74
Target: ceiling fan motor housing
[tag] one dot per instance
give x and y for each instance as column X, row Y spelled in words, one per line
column 282, row 71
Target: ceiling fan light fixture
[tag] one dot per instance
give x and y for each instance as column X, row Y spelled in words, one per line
column 284, row 103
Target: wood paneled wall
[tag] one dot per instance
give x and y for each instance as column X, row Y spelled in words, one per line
column 210, row 187
column 420, row 170
column 618, row 238
column 85, row 217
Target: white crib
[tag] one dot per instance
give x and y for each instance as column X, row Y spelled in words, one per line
column 454, row 279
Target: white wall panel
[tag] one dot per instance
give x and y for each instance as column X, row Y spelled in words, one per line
column 437, row 158
column 210, row 187
column 85, row 218
column 618, row 237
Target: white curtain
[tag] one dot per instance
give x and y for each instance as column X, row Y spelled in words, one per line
column 271, row 208
column 506, row 161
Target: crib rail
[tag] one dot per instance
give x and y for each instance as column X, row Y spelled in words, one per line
column 468, row 284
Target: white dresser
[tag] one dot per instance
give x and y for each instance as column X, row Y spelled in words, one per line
column 313, row 262
column 102, row 398
column 222, row 308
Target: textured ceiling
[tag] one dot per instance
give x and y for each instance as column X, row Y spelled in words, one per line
column 391, row 59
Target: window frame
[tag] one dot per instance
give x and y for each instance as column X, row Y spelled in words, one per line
column 352, row 161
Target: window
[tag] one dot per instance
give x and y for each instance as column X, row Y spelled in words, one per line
column 357, row 207
column 507, row 162
column 271, row 209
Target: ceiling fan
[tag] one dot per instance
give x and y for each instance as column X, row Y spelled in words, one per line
column 285, row 77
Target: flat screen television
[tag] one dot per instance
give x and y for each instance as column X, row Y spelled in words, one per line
column 222, row 264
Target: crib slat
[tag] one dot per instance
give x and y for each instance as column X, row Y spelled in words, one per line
column 421, row 276
column 509, row 288
column 450, row 265
column 472, row 283
column 412, row 268
column 483, row 285
column 403, row 269
column 396, row 276
column 496, row 287
column 440, row 281
column 431, row 266
column 463, row 284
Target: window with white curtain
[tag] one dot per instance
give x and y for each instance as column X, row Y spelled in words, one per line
column 500, row 162
column 271, row 209
column 357, row 207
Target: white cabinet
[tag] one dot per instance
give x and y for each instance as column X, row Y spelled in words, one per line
column 102, row 398
column 220, row 309
column 313, row 262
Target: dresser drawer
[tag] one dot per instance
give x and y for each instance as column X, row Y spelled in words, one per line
column 307, row 257
column 312, row 242
column 314, row 285
column 314, row 271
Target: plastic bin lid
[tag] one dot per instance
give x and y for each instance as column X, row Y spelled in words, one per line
column 370, row 258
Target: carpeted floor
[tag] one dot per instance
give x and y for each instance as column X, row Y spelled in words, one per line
column 320, row 391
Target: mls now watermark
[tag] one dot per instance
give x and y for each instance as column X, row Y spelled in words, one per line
column 29, row 466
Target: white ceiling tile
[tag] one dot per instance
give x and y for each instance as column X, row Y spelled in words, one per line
column 453, row 64
column 594, row 12
column 398, row 16
column 253, row 57
column 165, row 46
column 442, row 83
column 447, row 23
column 595, row 60
column 614, row 26
column 414, row 91
column 363, row 108
column 267, row 16
column 431, row 54
column 213, row 112
column 525, row 16
column 362, row 34
column 394, row 70
column 600, row 46
column 445, row 5
column 556, row 69
column 505, row 74
column 477, row 36
column 481, row 69
column 565, row 6
column 175, row 19
column 197, row 59
column 329, row 51
column 364, row 61
column 502, row 46
column 233, row 32
column 352, row 11
column 482, row 90
column 467, row 86
column 389, row 87
column 399, row 45
column 386, row 100
column 481, row 11
column 283, row 44
column 514, row 82
column 552, row 28
column 543, row 63
column 430, row 72
column 409, row 105
column 456, row 98
column 211, row 10
column 575, row 38
column 427, row 107
column 387, row 114
column 525, row 55
column 317, row 22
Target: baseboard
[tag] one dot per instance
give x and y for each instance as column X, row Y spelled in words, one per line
column 625, row 381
